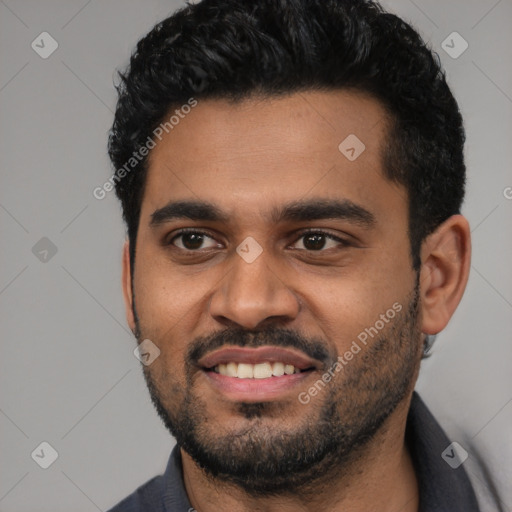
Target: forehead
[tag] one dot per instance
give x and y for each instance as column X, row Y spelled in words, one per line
column 251, row 156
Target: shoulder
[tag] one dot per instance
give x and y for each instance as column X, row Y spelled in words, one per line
column 164, row 493
column 147, row 497
column 451, row 474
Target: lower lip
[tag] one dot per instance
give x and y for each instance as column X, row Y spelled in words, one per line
column 255, row 390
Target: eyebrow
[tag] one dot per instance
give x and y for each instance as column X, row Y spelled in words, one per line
column 193, row 210
column 299, row 211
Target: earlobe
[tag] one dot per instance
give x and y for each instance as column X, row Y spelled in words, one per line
column 127, row 286
column 446, row 259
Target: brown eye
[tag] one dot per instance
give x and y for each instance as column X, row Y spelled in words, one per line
column 192, row 241
column 318, row 240
column 314, row 242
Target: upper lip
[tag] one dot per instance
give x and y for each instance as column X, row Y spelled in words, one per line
column 258, row 355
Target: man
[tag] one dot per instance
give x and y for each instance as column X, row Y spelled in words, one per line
column 291, row 174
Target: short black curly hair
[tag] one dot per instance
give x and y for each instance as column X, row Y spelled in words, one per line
column 234, row 49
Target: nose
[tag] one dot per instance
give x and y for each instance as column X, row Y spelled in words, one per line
column 252, row 294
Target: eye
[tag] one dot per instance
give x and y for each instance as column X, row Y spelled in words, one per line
column 192, row 240
column 319, row 241
column 312, row 241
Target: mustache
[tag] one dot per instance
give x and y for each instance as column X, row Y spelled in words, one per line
column 274, row 336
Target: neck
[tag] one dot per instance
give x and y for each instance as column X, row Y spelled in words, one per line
column 379, row 478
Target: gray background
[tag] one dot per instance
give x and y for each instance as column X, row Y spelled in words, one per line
column 68, row 373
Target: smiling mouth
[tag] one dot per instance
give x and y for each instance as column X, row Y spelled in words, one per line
column 268, row 373
column 263, row 370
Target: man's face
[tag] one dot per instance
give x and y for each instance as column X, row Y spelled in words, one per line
column 306, row 258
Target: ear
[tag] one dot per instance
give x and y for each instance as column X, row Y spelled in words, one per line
column 446, row 260
column 127, row 286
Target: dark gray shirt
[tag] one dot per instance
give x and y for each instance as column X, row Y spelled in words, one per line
column 442, row 488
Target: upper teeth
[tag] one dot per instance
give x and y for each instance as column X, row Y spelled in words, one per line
column 255, row 371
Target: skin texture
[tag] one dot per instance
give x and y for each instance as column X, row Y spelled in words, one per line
column 248, row 158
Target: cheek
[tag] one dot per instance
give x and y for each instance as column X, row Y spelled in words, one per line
column 169, row 307
column 345, row 304
column 165, row 297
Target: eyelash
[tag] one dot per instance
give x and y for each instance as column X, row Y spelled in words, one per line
column 302, row 234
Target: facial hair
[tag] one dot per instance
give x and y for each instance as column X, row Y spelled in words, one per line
column 263, row 459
